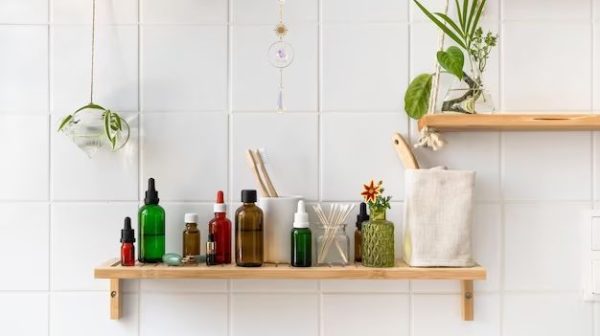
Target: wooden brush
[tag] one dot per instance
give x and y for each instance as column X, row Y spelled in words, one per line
column 404, row 152
column 264, row 174
column 254, row 168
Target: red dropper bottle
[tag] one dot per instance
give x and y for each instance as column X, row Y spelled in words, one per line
column 127, row 240
column 220, row 227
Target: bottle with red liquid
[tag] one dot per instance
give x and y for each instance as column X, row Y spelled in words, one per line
column 220, row 228
column 127, row 240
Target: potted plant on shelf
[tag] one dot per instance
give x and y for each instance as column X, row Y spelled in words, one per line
column 468, row 94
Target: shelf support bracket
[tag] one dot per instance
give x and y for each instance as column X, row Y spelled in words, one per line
column 115, row 299
column 467, row 300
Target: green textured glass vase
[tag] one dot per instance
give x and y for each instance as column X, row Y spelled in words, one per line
column 378, row 241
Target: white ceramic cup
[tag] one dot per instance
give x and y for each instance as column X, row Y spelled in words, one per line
column 278, row 223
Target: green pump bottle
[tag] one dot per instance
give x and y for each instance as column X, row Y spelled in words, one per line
column 151, row 242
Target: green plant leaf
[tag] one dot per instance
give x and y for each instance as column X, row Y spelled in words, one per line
column 107, row 128
column 459, row 13
column 452, row 60
column 470, row 19
column 451, row 23
column 477, row 17
column 90, row 106
column 416, row 98
column 441, row 25
column 465, row 8
column 64, row 122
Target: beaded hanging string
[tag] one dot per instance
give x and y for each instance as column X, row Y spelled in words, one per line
column 281, row 54
column 93, row 50
column 430, row 137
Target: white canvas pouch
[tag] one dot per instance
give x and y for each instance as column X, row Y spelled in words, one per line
column 437, row 217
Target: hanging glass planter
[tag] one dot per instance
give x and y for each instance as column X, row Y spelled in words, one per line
column 93, row 127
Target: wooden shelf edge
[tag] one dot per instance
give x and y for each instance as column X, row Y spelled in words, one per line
column 282, row 271
column 511, row 122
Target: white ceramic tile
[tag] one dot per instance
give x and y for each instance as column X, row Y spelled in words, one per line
column 174, row 221
column 183, row 314
column 537, row 238
column 184, row 68
column 290, row 144
column 73, row 314
column 350, row 315
column 546, row 166
column 557, row 80
column 365, row 67
column 486, row 245
column 596, row 65
column 74, row 227
column 546, row 314
column 24, row 68
column 110, row 176
column 477, row 151
column 20, row 11
column 255, row 82
column 262, row 314
column 267, row 12
column 24, row 148
column 271, row 286
column 107, row 11
column 183, row 11
column 491, row 12
column 24, row 223
column 115, row 69
column 351, row 158
column 183, row 285
column 364, row 286
column 596, row 164
column 546, row 10
column 186, row 153
column 435, row 315
column 24, row 314
column 365, row 10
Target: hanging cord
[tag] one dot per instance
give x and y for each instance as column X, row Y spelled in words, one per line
column 429, row 137
column 93, row 49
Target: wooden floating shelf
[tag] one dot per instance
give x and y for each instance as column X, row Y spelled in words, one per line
column 511, row 122
column 115, row 272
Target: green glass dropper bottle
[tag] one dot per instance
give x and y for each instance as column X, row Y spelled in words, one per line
column 152, row 227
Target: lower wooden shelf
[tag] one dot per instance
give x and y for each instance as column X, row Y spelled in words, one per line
column 113, row 270
column 511, row 122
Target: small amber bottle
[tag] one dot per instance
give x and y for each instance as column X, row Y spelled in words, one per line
column 358, row 235
column 191, row 236
column 249, row 232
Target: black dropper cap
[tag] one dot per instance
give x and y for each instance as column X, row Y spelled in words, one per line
column 127, row 234
column 362, row 215
column 248, row 196
column 151, row 193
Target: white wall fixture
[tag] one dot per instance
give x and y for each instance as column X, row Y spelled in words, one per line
column 591, row 256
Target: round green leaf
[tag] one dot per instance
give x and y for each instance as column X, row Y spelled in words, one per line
column 416, row 98
column 452, row 60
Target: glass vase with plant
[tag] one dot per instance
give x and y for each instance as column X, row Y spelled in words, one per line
column 378, row 232
column 468, row 94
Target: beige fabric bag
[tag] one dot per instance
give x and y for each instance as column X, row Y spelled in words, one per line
column 437, row 217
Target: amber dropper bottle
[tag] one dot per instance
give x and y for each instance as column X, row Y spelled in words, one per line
column 358, row 235
column 249, row 232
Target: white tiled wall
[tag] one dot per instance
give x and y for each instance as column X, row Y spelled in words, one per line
column 192, row 78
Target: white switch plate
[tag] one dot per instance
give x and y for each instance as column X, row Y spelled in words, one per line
column 591, row 256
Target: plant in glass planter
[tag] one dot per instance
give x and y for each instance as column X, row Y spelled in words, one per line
column 92, row 127
column 378, row 232
column 469, row 94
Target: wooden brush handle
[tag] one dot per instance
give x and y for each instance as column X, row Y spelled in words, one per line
column 265, row 175
column 404, row 152
column 254, row 169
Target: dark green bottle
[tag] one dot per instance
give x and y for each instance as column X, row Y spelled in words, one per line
column 151, row 242
column 301, row 252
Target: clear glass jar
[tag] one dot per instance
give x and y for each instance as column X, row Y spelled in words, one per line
column 378, row 241
column 469, row 95
column 333, row 245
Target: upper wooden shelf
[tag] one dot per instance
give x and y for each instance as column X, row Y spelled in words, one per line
column 113, row 270
column 511, row 122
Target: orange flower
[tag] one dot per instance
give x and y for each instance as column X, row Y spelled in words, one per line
column 371, row 191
